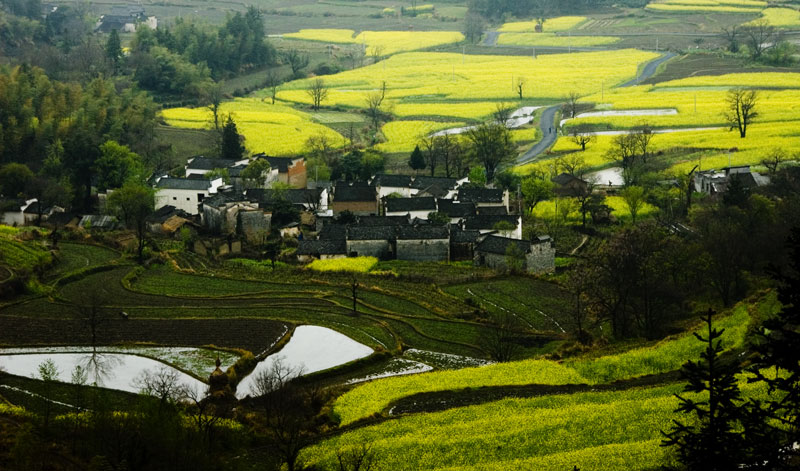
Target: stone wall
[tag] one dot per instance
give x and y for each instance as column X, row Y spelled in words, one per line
column 437, row 250
column 542, row 258
column 371, row 248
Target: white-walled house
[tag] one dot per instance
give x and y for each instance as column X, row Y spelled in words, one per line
column 386, row 184
column 199, row 166
column 184, row 193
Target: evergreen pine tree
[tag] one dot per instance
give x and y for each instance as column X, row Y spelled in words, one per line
column 777, row 364
column 231, row 146
column 417, row 160
column 114, row 49
column 709, row 439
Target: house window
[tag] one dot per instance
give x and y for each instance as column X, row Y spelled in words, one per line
column 188, row 199
column 174, row 198
column 200, row 197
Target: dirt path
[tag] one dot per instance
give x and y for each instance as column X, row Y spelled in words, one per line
column 547, row 123
column 649, row 70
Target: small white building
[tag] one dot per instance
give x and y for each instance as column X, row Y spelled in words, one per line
column 184, row 193
column 18, row 213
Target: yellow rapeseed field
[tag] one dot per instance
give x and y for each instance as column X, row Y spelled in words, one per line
column 722, row 6
column 274, row 129
column 443, row 77
column 562, row 23
column 384, row 42
column 781, row 17
column 357, row 264
column 468, row 110
column 550, row 39
column 402, row 136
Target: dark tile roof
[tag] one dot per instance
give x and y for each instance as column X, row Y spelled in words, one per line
column 423, row 182
column 456, row 210
column 398, row 181
column 354, row 192
column 394, row 205
column 422, row 232
column 33, row 208
column 437, row 191
column 499, row 245
column 322, row 247
column 165, row 212
column 208, row 163
column 236, row 171
column 565, row 179
column 371, row 232
column 480, row 195
column 383, row 221
column 183, row 184
column 458, row 236
column 492, row 211
column 488, row 222
column 333, row 232
column 219, row 199
column 541, row 239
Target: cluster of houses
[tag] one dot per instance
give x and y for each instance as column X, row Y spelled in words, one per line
column 389, row 215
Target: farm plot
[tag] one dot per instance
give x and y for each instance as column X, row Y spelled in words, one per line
column 781, row 17
column 536, row 304
column 561, row 23
column 402, row 136
column 718, row 6
column 552, row 40
column 274, row 129
column 373, row 397
column 381, row 43
column 446, row 77
column 73, row 256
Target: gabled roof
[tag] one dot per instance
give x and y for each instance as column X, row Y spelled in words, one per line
column 322, row 247
column 383, row 220
column 480, row 195
column 492, row 211
column 394, row 181
column 565, row 179
column 394, row 205
column 488, row 222
column 423, row 182
column 499, row 245
column 165, row 212
column 422, row 232
column 208, row 163
column 236, row 170
column 221, row 199
column 435, row 190
column 458, row 236
column 456, row 210
column 169, row 183
column 371, row 232
column 344, row 192
column 333, row 232
column 97, row 221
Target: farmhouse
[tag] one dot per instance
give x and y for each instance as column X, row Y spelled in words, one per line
column 125, row 19
column 385, row 185
column 456, row 211
column 321, row 249
column 200, row 166
column 569, row 185
column 184, row 193
column 377, row 241
column 413, row 207
column 357, row 197
column 715, row 183
column 315, row 201
column 289, row 170
column 423, row 243
column 484, row 197
column 537, row 256
column 168, row 220
column 507, row 226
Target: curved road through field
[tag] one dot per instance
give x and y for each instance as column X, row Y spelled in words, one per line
column 549, row 127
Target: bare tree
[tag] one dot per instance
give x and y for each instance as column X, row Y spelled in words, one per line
column 582, row 135
column 577, row 283
column 760, row 35
column 774, row 159
column 288, row 411
column 272, row 82
column 502, row 113
column 354, row 290
column 374, row 100
column 296, row 60
column 491, row 146
column 499, row 340
column 163, row 384
column 732, row 35
column 376, row 52
column 642, row 135
column 357, row 458
column 321, row 146
column 520, row 86
column 571, row 103
column 741, row 109
column 213, row 96
column 318, row 92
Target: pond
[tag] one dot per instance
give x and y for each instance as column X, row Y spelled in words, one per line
column 651, row 112
column 609, row 176
column 111, row 370
column 311, row 348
